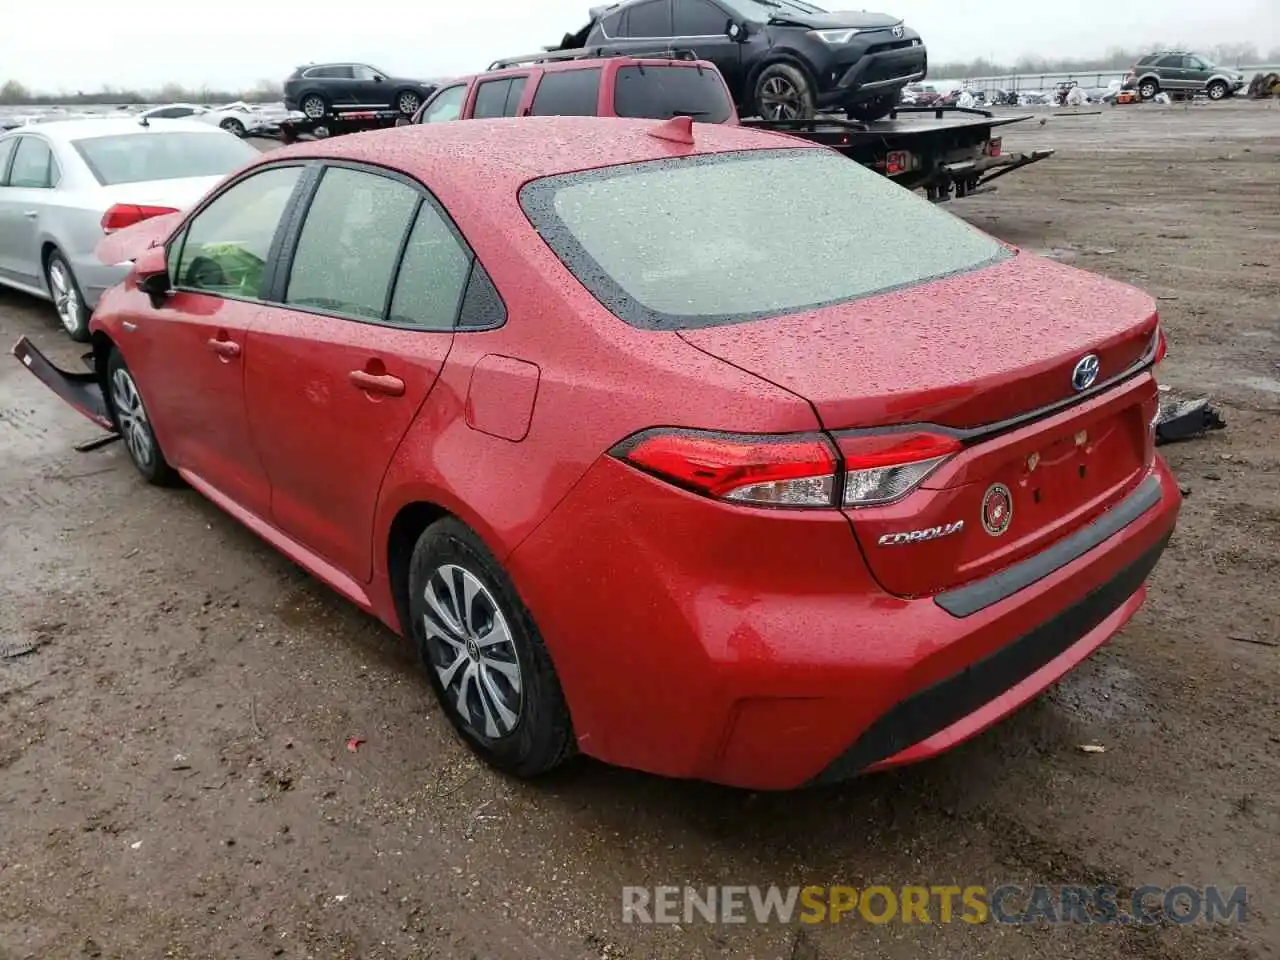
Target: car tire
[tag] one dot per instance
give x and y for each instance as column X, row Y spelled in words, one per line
column 783, row 92
column 232, row 125
column 488, row 666
column 407, row 102
column 68, row 300
column 313, row 106
column 1148, row 89
column 1218, row 90
column 874, row 109
column 133, row 423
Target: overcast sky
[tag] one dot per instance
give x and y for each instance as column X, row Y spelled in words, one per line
column 82, row 44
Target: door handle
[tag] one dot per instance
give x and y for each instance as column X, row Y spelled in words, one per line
column 228, row 349
column 384, row 384
column 31, row 214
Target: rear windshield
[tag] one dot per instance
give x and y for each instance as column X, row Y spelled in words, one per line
column 723, row 238
column 665, row 92
column 135, row 157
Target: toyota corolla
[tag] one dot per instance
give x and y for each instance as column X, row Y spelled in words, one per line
column 647, row 465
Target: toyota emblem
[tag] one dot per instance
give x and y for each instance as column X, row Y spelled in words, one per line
column 997, row 509
column 898, row 31
column 1085, row 373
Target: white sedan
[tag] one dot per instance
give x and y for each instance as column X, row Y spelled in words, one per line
column 65, row 184
column 238, row 118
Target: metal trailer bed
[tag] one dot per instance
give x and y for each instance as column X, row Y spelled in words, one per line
column 946, row 151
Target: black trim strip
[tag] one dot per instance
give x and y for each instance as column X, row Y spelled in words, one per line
column 968, row 600
column 933, row 709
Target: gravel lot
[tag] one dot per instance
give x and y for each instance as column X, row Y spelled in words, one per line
column 174, row 779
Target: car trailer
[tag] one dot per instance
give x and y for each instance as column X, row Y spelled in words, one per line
column 293, row 129
column 951, row 154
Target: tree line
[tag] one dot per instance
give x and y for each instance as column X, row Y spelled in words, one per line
column 16, row 94
column 1225, row 54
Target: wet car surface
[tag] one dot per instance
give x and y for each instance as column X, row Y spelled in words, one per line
column 174, row 748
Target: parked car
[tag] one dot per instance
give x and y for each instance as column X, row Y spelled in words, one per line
column 631, row 458
column 319, row 89
column 65, row 183
column 238, row 118
column 782, row 59
column 1182, row 72
column 658, row 88
column 919, row 94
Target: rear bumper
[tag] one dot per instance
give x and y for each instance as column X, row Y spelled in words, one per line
column 704, row 641
column 96, row 278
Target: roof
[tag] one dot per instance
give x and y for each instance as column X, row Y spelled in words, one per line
column 502, row 153
column 111, row 127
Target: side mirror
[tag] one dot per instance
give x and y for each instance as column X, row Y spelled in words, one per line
column 151, row 274
column 378, row 78
column 734, row 31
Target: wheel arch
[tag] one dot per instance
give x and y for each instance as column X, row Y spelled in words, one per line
column 402, row 537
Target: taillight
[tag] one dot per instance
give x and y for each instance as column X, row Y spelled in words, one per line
column 994, row 146
column 883, row 467
column 790, row 470
column 127, row 214
column 793, row 470
column 1162, row 345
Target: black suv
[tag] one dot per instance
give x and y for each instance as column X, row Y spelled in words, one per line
column 320, row 89
column 1182, row 72
column 782, row 59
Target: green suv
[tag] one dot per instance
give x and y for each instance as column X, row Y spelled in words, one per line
column 1182, row 73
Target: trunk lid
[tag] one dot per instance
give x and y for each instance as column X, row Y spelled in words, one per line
column 970, row 353
column 965, row 351
column 127, row 244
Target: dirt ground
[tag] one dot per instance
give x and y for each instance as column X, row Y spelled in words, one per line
column 175, row 781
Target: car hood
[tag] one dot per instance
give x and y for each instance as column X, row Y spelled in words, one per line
column 965, row 351
column 858, row 19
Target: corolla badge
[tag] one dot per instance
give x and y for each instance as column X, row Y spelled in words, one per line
column 920, row 536
column 997, row 509
column 898, row 31
column 1085, row 373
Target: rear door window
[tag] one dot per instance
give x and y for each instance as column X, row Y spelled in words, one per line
column 568, row 93
column 33, row 164
column 347, row 252
column 698, row 18
column 1169, row 62
column 433, row 275
column 498, row 98
column 650, row 19
column 665, row 92
column 6, row 151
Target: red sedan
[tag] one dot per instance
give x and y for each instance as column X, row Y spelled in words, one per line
column 697, row 449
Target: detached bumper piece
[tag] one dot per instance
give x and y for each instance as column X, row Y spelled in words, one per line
column 1185, row 420
column 83, row 391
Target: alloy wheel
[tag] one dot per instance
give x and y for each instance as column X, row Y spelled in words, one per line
column 131, row 417
column 470, row 648
column 779, row 99
column 313, row 107
column 409, row 103
column 65, row 299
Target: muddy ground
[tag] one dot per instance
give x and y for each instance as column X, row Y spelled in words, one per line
column 174, row 780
